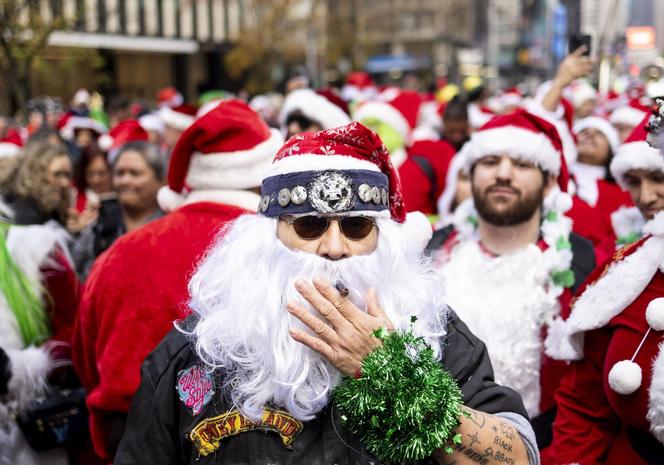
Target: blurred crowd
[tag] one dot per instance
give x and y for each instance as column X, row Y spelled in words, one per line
column 77, row 178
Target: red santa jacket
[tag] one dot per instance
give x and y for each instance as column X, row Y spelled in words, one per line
column 595, row 424
column 416, row 183
column 134, row 292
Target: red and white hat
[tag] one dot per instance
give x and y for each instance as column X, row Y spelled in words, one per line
column 341, row 171
column 629, row 115
column 81, row 122
column 125, row 131
column 10, row 144
column 179, row 117
column 228, row 148
column 521, row 135
column 603, row 126
column 636, row 153
column 169, row 97
column 359, row 86
column 395, row 107
column 313, row 106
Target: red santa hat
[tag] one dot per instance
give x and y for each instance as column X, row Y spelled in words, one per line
column 395, row 107
column 521, row 135
column 601, row 125
column 74, row 123
column 511, row 97
column 228, row 148
column 636, row 153
column 581, row 93
column 340, row 171
column 359, row 86
column 179, row 117
column 125, row 131
column 169, row 97
column 10, row 144
column 630, row 114
column 315, row 107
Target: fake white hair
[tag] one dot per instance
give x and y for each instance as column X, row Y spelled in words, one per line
column 240, row 292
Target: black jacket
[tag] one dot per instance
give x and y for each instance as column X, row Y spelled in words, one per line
column 159, row 425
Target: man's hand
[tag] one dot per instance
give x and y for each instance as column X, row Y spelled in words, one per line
column 574, row 66
column 345, row 336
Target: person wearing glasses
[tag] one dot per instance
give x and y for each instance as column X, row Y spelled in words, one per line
column 509, row 261
column 286, row 306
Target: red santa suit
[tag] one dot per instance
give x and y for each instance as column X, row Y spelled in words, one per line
column 423, row 174
column 39, row 252
column 611, row 400
column 138, row 287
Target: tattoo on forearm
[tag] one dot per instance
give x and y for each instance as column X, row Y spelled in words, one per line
column 476, row 417
column 474, row 439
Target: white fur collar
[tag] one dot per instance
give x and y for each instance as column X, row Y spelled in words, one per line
column 656, row 397
column 238, row 198
column 622, row 282
column 506, row 301
column 627, row 223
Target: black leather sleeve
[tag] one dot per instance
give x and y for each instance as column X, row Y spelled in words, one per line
column 467, row 359
column 5, row 372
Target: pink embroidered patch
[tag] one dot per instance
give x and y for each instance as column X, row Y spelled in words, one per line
column 195, row 388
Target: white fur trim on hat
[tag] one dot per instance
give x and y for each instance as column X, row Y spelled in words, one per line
column 627, row 115
column 175, row 119
column 242, row 169
column 315, row 107
column 516, row 142
column 8, row 149
column 603, row 126
column 105, row 142
column 311, row 162
column 246, row 200
column 383, row 111
column 634, row 156
column 625, row 377
column 608, row 296
column 582, row 93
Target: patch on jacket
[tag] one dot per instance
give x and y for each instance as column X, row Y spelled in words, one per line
column 207, row 435
column 195, row 388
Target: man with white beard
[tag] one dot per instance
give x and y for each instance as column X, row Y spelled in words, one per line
column 509, row 261
column 289, row 304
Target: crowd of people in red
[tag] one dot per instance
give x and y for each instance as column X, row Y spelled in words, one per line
column 546, row 231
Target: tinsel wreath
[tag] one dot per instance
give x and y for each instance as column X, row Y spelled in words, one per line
column 404, row 405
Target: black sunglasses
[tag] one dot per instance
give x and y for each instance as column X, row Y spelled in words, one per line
column 312, row 227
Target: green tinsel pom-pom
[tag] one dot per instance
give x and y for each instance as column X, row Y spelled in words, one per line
column 405, row 405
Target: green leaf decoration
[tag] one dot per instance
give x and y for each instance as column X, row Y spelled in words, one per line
column 563, row 243
column 405, row 405
column 628, row 238
column 552, row 216
column 473, row 221
column 563, row 278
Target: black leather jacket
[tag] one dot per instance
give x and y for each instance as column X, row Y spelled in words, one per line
column 159, row 427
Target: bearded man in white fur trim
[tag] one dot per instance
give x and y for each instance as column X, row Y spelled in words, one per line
column 611, row 400
column 509, row 261
column 286, row 306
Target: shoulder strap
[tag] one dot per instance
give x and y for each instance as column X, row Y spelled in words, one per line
column 427, row 168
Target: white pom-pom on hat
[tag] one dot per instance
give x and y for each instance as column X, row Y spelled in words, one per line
column 417, row 229
column 625, row 377
column 169, row 200
column 655, row 314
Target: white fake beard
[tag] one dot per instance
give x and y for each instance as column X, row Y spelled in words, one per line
column 240, row 292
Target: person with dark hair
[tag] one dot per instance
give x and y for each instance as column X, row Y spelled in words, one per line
column 509, row 260
column 456, row 128
column 138, row 173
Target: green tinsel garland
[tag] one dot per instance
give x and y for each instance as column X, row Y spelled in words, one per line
column 27, row 307
column 405, row 405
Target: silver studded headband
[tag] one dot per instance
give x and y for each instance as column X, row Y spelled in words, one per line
column 330, row 191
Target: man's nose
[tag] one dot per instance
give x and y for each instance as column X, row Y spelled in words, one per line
column 332, row 244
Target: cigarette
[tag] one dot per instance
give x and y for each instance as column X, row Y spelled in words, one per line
column 343, row 290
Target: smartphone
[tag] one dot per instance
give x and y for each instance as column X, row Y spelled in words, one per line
column 578, row 40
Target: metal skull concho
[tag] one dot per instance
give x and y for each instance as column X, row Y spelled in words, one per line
column 331, row 192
